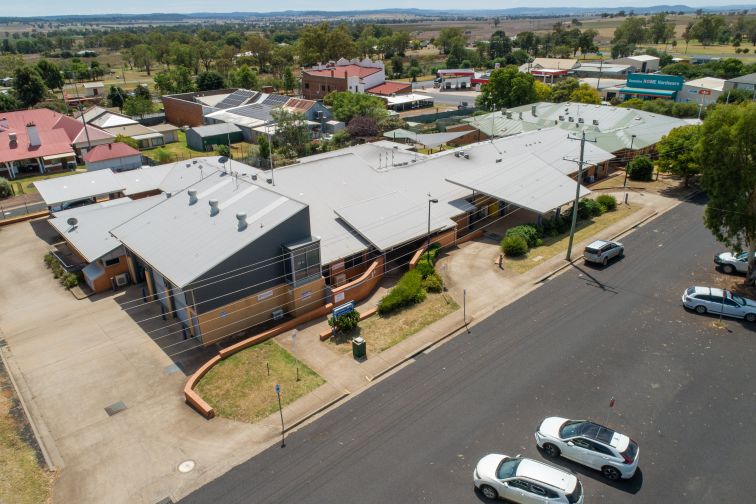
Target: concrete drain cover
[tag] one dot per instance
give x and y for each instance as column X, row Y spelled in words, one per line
column 186, row 466
column 115, row 408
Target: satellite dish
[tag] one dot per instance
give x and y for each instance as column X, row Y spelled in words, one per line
column 72, row 221
column 223, row 160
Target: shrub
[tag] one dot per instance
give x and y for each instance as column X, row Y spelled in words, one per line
column 514, row 246
column 530, row 233
column 69, row 280
column 588, row 208
column 408, row 290
column 346, row 322
column 424, row 267
column 162, row 155
column 5, row 188
column 433, row 283
column 224, row 150
column 640, row 168
column 607, row 201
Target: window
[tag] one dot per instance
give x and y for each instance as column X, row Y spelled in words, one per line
column 303, row 262
column 582, row 443
column 522, row 485
column 322, row 87
column 307, row 85
column 507, row 469
column 111, row 262
column 538, row 490
column 602, row 449
column 352, row 261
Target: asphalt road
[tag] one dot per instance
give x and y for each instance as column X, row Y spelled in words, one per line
column 685, row 392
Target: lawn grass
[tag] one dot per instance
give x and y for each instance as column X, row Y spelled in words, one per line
column 240, row 387
column 558, row 244
column 180, row 151
column 384, row 331
column 23, row 480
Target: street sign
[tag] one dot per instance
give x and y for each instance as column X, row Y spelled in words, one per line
column 343, row 309
column 704, row 92
column 278, row 388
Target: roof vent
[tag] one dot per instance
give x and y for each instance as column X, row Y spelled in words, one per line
column 520, row 115
column 192, row 196
column 509, row 115
column 12, row 137
column 595, row 122
column 253, row 176
column 498, row 160
column 571, row 119
column 194, row 161
column 242, row 218
column 580, row 120
column 167, row 195
column 213, row 207
column 561, row 118
column 467, row 156
column 269, row 180
column 533, row 110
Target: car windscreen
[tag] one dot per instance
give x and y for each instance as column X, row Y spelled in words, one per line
column 508, row 468
column 631, row 451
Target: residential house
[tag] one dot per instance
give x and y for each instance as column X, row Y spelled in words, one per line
column 357, row 76
column 119, row 124
column 114, row 156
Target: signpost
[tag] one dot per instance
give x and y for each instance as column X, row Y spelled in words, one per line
column 704, row 92
column 343, row 309
column 280, row 410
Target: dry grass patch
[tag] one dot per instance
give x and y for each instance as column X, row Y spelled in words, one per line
column 240, row 387
column 23, row 480
column 558, row 244
column 664, row 185
column 383, row 332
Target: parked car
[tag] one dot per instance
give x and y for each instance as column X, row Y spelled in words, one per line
column 732, row 263
column 589, row 444
column 714, row 300
column 525, row 480
column 463, row 105
column 602, row 251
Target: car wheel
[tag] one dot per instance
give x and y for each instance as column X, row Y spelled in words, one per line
column 728, row 268
column 605, row 261
column 622, row 252
column 610, row 473
column 489, row 492
column 700, row 309
column 750, row 317
column 551, row 450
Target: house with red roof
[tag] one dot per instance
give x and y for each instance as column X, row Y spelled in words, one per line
column 115, row 156
column 32, row 142
column 344, row 75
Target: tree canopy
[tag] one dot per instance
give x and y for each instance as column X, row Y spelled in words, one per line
column 29, row 87
column 677, row 152
column 727, row 154
column 347, row 105
column 507, row 87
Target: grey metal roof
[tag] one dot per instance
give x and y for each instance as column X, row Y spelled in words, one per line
column 143, row 179
column 430, row 140
column 523, row 180
column 745, row 79
column 91, row 235
column 182, row 240
column 216, row 129
column 76, row 187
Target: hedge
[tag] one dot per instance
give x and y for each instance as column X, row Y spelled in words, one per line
column 530, row 233
column 640, row 168
column 433, row 283
column 5, row 188
column 408, row 290
column 588, row 208
column 346, row 322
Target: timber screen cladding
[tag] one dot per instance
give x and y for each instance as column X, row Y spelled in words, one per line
column 302, row 262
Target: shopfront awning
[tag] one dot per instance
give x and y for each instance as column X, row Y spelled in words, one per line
column 648, row 92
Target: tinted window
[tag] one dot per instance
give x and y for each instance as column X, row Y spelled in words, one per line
column 537, row 490
column 631, row 451
column 522, row 485
column 590, row 250
column 507, row 469
column 602, row 449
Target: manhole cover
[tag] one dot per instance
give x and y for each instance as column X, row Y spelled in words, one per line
column 186, row 466
column 115, row 408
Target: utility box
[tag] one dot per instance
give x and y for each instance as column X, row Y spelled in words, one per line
column 359, row 347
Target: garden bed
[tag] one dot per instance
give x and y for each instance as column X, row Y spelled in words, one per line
column 241, row 388
column 384, row 331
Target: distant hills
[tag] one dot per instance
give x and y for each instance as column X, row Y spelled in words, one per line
column 417, row 13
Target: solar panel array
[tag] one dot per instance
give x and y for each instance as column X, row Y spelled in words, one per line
column 235, row 99
column 275, row 100
column 255, row 111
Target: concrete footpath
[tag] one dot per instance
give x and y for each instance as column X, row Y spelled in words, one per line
column 74, row 358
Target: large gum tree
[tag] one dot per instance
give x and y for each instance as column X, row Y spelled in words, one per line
column 727, row 153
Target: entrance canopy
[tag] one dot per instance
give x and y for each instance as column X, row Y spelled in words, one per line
column 648, row 92
column 524, row 181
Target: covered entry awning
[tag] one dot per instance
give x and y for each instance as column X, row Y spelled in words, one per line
column 648, row 92
column 524, row 181
column 59, row 156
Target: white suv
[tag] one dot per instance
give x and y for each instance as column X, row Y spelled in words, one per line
column 602, row 251
column 526, row 481
column 590, row 444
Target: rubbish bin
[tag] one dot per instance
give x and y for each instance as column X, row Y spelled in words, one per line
column 359, row 347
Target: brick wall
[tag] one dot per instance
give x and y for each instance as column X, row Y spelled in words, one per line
column 315, row 87
column 182, row 112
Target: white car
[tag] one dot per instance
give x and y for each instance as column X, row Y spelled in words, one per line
column 732, row 263
column 589, row 444
column 713, row 300
column 603, row 251
column 526, row 481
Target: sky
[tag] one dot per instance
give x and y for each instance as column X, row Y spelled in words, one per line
column 56, row 7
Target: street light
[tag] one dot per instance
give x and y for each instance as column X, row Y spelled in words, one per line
column 632, row 140
column 430, row 200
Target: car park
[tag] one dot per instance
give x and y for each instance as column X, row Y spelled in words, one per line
column 526, row 481
column 719, row 301
column 732, row 263
column 589, row 444
column 603, row 251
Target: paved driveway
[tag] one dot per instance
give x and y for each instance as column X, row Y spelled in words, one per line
column 74, row 358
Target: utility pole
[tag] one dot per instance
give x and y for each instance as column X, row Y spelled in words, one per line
column 598, row 84
column 577, row 189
